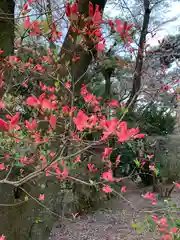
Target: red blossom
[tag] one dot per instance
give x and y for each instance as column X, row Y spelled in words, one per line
column 38, row 68
column 41, row 102
column 124, row 189
column 108, row 176
column 66, row 110
column 92, row 121
column 117, row 160
column 97, row 18
column 114, row 103
column 14, row 120
column 2, row 237
column 109, row 127
column 77, row 159
column 31, row 126
column 2, row 105
column 26, row 160
column 41, row 197
column 91, row 167
column 32, row 101
column 55, row 34
column 81, row 120
column 25, row 9
column 52, row 121
column 177, row 185
column 150, row 196
column 107, row 189
column 2, row 167
column 83, row 91
column 27, row 23
column 139, row 136
column 107, row 152
column 91, row 9
column 35, row 28
column 68, row 85
column 90, row 98
column 100, row 47
column 68, row 9
column 123, row 29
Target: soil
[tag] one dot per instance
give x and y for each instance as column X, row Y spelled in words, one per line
column 113, row 221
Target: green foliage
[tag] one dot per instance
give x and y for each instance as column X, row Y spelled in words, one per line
column 158, row 121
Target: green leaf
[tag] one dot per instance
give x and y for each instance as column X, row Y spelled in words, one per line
column 79, row 39
column 57, row 84
column 19, row 164
column 137, row 162
column 26, row 198
column 38, row 220
column 134, row 225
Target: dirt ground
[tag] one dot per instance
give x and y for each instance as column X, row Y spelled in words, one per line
column 113, row 221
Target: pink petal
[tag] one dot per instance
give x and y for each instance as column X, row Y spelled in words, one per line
column 2, row 237
column 41, row 197
column 107, row 189
column 2, row 105
column 123, row 189
column 52, row 121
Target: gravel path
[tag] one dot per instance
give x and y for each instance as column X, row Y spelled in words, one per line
column 112, row 222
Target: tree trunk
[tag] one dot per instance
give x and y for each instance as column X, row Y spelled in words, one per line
column 7, row 26
column 69, row 48
column 139, row 59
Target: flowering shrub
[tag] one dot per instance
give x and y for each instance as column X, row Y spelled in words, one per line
column 51, row 140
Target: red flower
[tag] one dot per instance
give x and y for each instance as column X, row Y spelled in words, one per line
column 91, row 9
column 97, row 18
column 31, row 126
column 114, row 103
column 108, row 176
column 52, row 121
column 123, row 189
column 68, row 9
column 68, row 85
column 100, row 47
column 35, row 27
column 2, row 167
column 66, row 110
column 38, row 68
column 74, row 8
column 83, row 90
column 139, row 136
column 150, row 196
column 107, row 189
column 109, row 127
column 118, row 160
column 14, row 120
column 91, row 167
column 55, row 34
column 107, row 152
column 77, row 159
column 2, row 105
column 155, row 218
column 27, row 23
column 177, row 185
column 25, row 9
column 32, row 101
column 81, row 120
column 4, row 125
column 123, row 30
column 2, row 237
column 41, row 197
